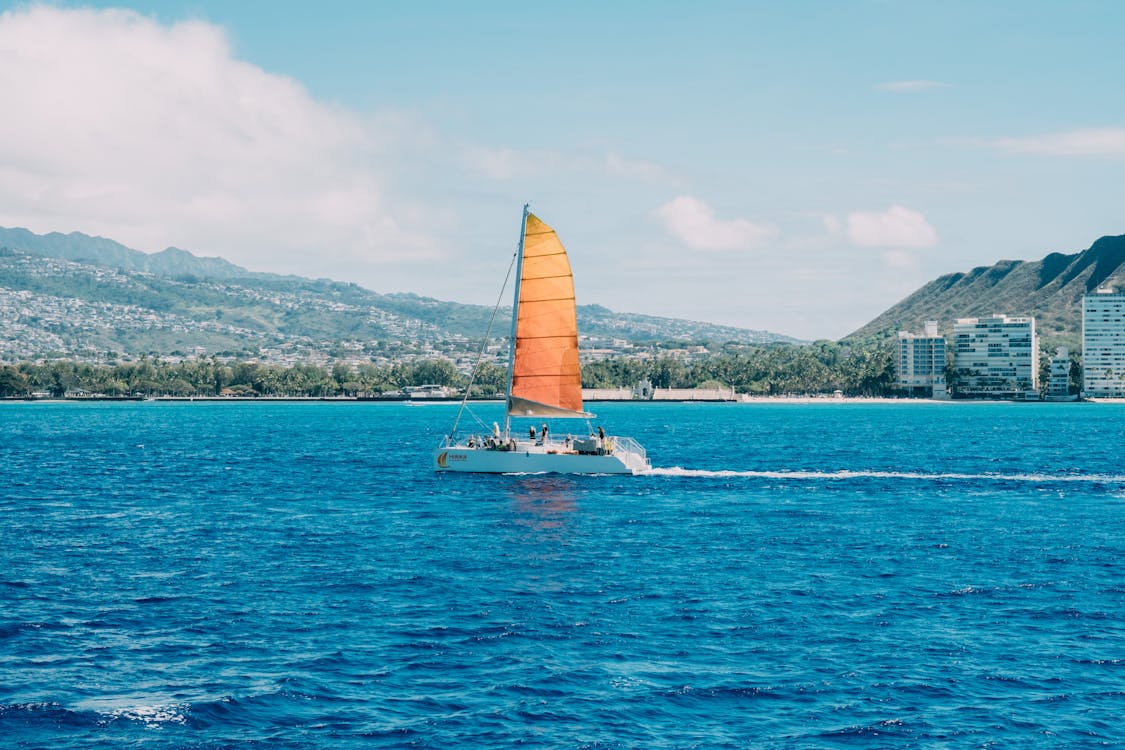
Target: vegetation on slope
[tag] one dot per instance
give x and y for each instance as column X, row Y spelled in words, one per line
column 1050, row 289
column 822, row 367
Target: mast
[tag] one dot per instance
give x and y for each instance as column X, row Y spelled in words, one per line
column 515, row 320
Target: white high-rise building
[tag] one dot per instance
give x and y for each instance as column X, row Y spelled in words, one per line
column 1103, row 344
column 995, row 357
column 921, row 362
column 1058, row 381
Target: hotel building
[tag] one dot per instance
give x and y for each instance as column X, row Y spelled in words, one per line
column 1103, row 344
column 921, row 362
column 995, row 357
column 1058, row 381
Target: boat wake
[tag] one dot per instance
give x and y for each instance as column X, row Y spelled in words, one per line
column 844, row 475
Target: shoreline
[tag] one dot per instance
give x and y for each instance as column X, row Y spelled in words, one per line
column 741, row 401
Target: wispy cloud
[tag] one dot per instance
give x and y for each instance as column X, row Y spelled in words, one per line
column 897, row 227
column 506, row 163
column 900, row 260
column 503, row 164
column 1083, row 142
column 910, row 87
column 638, row 169
column 693, row 222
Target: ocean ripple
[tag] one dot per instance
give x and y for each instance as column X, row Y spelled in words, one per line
column 294, row 576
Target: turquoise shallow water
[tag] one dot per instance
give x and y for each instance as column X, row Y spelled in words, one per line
column 217, row 575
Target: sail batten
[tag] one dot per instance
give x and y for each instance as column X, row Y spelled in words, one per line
column 540, row 337
column 546, row 378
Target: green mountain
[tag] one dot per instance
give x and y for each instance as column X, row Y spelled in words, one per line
column 100, row 251
column 90, row 297
column 1050, row 289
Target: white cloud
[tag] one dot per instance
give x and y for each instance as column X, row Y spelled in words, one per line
column 692, row 221
column 155, row 134
column 896, row 227
column 1084, row 142
column 910, row 87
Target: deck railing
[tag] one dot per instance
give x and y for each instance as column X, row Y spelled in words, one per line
column 627, row 444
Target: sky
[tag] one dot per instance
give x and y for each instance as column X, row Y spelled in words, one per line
column 795, row 167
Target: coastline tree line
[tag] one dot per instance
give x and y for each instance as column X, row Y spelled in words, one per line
column 821, row 367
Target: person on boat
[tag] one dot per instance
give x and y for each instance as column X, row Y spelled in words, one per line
column 531, row 432
column 495, row 430
column 543, row 437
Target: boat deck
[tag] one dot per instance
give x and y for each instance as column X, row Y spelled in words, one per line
column 611, row 455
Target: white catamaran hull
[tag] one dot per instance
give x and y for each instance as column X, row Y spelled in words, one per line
column 537, row 459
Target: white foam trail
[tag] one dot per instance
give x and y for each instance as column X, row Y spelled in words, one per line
column 679, row 471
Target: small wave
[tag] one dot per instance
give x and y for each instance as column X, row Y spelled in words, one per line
column 155, row 599
column 150, row 716
column 679, row 471
column 12, row 629
column 886, row 729
column 43, row 714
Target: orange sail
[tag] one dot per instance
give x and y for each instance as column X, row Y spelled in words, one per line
column 546, row 378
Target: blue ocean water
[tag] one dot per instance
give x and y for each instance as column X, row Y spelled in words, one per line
column 292, row 575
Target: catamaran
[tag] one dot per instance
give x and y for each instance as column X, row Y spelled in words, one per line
column 544, row 380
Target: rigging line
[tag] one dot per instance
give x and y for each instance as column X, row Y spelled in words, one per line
column 483, row 349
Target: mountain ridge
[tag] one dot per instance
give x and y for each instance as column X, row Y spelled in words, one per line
column 78, row 247
column 1049, row 289
column 92, row 293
